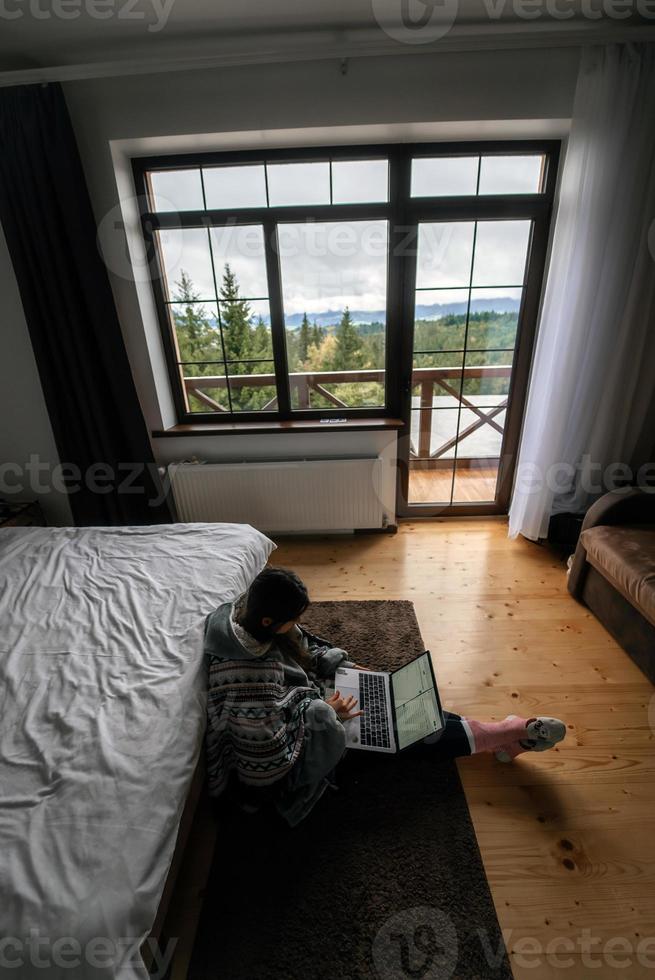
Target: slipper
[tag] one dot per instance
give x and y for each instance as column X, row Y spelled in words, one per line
column 542, row 734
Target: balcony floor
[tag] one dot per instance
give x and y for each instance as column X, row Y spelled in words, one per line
column 473, row 484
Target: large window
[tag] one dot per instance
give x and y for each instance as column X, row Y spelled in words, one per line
column 272, row 279
column 281, row 283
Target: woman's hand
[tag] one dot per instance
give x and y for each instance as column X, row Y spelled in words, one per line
column 344, row 707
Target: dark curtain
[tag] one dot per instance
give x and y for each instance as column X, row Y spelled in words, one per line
column 89, row 391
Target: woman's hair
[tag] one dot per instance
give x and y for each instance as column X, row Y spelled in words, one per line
column 277, row 594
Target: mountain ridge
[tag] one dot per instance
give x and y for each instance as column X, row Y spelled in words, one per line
column 329, row 318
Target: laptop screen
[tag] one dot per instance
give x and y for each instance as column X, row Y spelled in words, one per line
column 415, row 701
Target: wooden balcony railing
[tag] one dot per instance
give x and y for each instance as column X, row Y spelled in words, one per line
column 302, row 384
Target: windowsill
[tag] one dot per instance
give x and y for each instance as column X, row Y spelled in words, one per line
column 260, row 428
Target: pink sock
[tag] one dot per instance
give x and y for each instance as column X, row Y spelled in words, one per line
column 489, row 736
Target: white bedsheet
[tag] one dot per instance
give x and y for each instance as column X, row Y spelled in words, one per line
column 102, row 711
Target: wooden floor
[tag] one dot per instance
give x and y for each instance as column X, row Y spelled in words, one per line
column 566, row 836
column 472, row 484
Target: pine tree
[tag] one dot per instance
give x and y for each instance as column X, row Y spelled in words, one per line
column 317, row 334
column 304, row 339
column 321, row 358
column 373, row 351
column 235, row 320
column 348, row 352
column 197, row 338
column 261, row 344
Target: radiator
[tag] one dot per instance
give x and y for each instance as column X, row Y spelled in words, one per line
column 300, row 496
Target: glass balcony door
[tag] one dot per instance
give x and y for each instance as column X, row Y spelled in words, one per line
column 465, row 315
column 469, row 287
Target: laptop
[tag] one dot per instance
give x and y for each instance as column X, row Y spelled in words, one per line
column 400, row 708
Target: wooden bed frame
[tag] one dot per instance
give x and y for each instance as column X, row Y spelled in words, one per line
column 197, row 791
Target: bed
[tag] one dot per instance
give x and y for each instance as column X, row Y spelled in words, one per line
column 102, row 713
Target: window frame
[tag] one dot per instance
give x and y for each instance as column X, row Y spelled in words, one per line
column 403, row 214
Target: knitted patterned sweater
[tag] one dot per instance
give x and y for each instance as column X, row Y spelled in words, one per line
column 257, row 700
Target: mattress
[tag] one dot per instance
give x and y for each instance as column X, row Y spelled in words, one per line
column 102, row 714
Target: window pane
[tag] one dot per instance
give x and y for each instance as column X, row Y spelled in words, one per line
column 187, row 264
column 511, row 174
column 176, row 190
column 487, row 376
column 437, row 380
column 360, row 181
column 436, row 428
column 246, row 329
column 334, row 282
column 444, row 430
column 196, row 331
column 240, row 262
column 431, row 484
column 205, row 386
column 310, row 344
column 478, row 439
column 312, row 391
column 444, row 254
column 440, row 319
column 444, row 176
column 475, row 479
column 235, row 187
column 298, row 183
column 493, row 319
column 252, row 386
column 484, row 444
column 443, row 360
column 501, row 249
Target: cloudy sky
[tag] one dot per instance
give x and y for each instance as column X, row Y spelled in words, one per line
column 327, row 266
column 331, row 265
column 324, row 266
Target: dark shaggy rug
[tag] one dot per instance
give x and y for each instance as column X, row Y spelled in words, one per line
column 383, row 880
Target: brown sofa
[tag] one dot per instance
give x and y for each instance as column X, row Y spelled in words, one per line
column 613, row 570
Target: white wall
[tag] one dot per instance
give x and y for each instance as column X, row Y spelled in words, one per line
column 25, row 430
column 456, row 95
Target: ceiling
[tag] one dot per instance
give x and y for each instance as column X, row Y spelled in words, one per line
column 47, row 34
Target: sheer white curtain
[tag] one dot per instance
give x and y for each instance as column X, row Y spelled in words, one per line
column 591, row 405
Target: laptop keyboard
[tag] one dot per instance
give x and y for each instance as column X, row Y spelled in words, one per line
column 374, row 723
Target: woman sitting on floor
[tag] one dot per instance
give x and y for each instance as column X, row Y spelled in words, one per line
column 270, row 724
